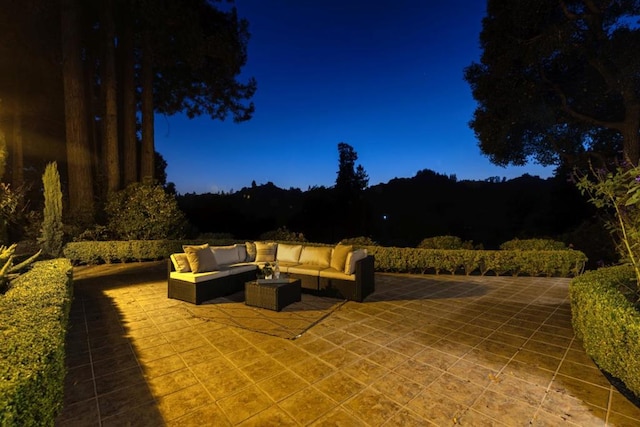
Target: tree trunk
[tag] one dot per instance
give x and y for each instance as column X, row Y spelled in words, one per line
column 17, row 148
column 110, row 96
column 130, row 152
column 80, row 183
column 147, row 156
column 631, row 134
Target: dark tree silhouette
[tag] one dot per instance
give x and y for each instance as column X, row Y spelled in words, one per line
column 557, row 80
column 351, row 180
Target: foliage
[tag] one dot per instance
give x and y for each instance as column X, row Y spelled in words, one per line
column 32, row 363
column 52, row 229
column 444, row 242
column 533, row 245
column 532, row 263
column 359, row 241
column 351, row 180
column 555, row 80
column 9, row 271
column 283, row 234
column 607, row 323
column 3, row 154
column 144, row 212
column 620, row 192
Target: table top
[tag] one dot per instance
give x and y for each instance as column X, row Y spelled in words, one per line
column 274, row 282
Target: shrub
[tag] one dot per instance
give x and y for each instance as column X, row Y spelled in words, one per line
column 52, row 230
column 282, row 234
column 9, row 271
column 32, row 362
column 607, row 322
column 533, row 245
column 359, row 241
column 144, row 212
column 444, row 242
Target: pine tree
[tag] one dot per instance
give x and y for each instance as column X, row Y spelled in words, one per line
column 52, row 229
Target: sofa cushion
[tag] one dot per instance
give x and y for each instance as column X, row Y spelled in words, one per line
column 284, row 266
column 201, row 258
column 238, row 268
column 198, row 277
column 180, row 263
column 226, row 255
column 242, row 251
column 288, row 253
column 339, row 256
column 357, row 255
column 316, row 255
column 266, row 252
column 251, row 251
column 332, row 273
column 306, row 269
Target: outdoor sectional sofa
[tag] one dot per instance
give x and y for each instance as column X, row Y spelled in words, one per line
column 206, row 272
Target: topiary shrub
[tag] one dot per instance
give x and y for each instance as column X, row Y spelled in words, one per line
column 608, row 322
column 533, row 245
column 359, row 241
column 144, row 212
column 444, row 242
column 51, row 234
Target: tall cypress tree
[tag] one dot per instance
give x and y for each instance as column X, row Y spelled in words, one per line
column 52, row 228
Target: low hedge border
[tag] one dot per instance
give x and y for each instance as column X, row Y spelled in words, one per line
column 563, row 263
column 607, row 323
column 34, row 314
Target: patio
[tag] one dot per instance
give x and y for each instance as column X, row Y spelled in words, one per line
column 422, row 350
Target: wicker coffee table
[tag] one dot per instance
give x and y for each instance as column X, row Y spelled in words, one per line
column 272, row 294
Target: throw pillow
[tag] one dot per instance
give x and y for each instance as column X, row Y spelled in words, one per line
column 180, row 263
column 201, row 258
column 350, row 264
column 266, row 252
column 316, row 255
column 226, row 255
column 242, row 251
column 251, row 251
column 339, row 256
column 289, row 253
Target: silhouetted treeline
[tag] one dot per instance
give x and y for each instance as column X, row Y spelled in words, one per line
column 404, row 211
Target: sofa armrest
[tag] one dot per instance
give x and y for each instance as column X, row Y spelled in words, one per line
column 365, row 277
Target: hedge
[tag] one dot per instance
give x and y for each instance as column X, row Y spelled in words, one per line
column 607, row 323
column 562, row 263
column 34, row 315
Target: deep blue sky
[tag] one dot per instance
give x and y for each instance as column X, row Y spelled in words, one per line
column 384, row 77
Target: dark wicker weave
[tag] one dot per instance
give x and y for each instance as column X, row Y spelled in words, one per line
column 272, row 294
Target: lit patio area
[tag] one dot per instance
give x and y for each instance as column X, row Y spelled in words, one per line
column 422, row 350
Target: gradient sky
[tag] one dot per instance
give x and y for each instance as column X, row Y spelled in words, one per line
column 385, row 77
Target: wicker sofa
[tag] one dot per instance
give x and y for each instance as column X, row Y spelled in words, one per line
column 206, row 272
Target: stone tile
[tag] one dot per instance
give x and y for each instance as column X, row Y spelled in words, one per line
column 621, row 405
column 312, row 370
column 145, row 415
column 584, row 373
column 510, row 411
column 273, row 416
column 458, row 389
column 339, row 358
column 339, row 386
column 337, row 417
column 84, row 413
column 307, row 405
column 120, row 379
column 417, row 371
column 529, row 373
column 436, row 358
column 437, row 408
column 406, row 418
column 571, row 408
column 398, row 388
column 245, row 356
column 159, row 367
column 387, row 358
column 589, row 393
column 318, row 346
column 515, row 388
column 475, row 373
column 538, row 360
column 180, row 403
column 171, row 382
column 245, row 404
column 282, row 385
column 205, row 353
column 361, row 347
column 365, row 371
column 123, row 399
column 225, row 383
column 372, row 406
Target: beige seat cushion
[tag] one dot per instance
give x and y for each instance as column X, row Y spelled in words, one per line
column 316, row 255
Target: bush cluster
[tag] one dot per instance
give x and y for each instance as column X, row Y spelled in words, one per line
column 444, row 242
column 32, row 362
column 283, row 234
column 607, row 322
column 533, row 245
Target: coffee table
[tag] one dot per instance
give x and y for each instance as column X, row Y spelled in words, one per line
column 272, row 294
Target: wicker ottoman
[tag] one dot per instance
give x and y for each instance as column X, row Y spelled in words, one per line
column 272, row 294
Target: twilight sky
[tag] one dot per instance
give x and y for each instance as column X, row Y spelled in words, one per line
column 386, row 77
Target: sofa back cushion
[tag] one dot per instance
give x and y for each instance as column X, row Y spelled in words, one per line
column 180, row 263
column 316, row 255
column 201, row 258
column 266, row 252
column 251, row 251
column 339, row 256
column 288, row 253
column 242, row 251
column 226, row 255
column 357, row 255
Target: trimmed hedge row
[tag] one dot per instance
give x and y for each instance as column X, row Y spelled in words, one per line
column 607, row 323
column 532, row 263
column 389, row 259
column 34, row 314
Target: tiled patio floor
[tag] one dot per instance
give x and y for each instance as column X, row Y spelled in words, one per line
column 422, row 350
